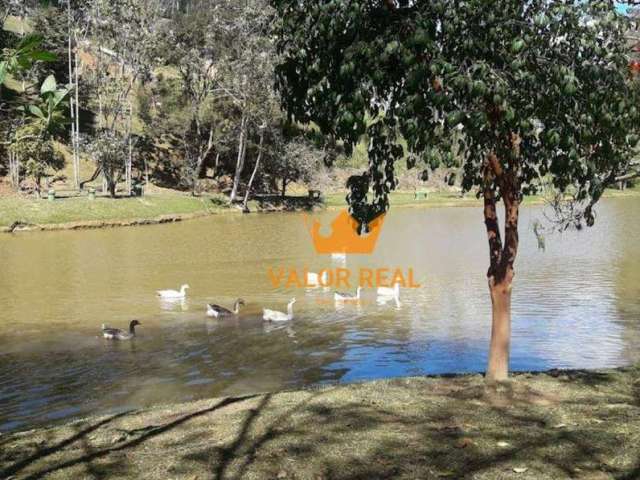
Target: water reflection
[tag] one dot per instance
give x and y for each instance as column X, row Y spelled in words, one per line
column 575, row 305
column 171, row 304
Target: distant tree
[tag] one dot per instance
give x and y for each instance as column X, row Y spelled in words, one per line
column 34, row 147
column 190, row 46
column 123, row 43
column 293, row 160
column 539, row 89
column 222, row 98
column 107, row 148
column 247, row 74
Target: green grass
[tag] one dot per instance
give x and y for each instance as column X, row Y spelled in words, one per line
column 81, row 209
column 453, row 199
column 152, row 206
column 563, row 425
column 433, row 199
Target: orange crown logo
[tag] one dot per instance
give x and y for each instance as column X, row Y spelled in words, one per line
column 344, row 236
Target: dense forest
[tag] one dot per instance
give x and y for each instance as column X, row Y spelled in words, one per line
column 174, row 93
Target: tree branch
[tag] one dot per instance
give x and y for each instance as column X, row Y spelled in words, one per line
column 628, row 176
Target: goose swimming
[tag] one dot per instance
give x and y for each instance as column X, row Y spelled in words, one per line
column 173, row 294
column 276, row 316
column 117, row 334
column 342, row 296
column 218, row 311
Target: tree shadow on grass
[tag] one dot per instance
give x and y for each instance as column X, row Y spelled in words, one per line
column 458, row 439
column 586, row 377
column 453, row 428
column 90, row 454
column 49, row 450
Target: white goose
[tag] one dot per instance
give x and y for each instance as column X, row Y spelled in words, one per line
column 342, row 297
column 173, row 294
column 315, row 280
column 275, row 316
column 389, row 293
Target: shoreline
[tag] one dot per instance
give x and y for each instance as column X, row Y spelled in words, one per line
column 554, row 424
column 292, row 204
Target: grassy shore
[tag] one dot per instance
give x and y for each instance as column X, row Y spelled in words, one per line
column 31, row 211
column 430, row 199
column 168, row 205
column 583, row 425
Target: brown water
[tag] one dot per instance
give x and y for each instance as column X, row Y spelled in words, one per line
column 576, row 305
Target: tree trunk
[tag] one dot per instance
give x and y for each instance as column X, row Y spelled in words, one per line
column 14, row 167
column 74, row 143
column 128, row 166
column 77, row 105
column 200, row 162
column 498, row 367
column 112, row 188
column 501, row 272
column 242, row 146
column 253, row 174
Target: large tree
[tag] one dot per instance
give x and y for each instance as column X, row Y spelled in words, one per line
column 121, row 53
column 538, row 89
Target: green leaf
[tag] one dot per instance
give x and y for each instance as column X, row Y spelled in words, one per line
column 49, row 85
column 35, row 110
column 30, row 42
column 517, row 46
column 44, row 56
column 59, row 96
column 392, row 46
column 3, row 72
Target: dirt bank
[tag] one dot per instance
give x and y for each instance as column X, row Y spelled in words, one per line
column 583, row 425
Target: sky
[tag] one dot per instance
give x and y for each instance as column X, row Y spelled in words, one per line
column 624, row 7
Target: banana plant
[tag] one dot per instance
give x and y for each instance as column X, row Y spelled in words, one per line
column 23, row 56
column 49, row 110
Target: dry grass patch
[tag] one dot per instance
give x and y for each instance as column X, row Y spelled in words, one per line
column 582, row 425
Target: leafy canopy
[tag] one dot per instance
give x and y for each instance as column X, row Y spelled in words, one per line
column 543, row 85
column 23, row 56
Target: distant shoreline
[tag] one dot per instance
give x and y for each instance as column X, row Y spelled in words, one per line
column 27, row 215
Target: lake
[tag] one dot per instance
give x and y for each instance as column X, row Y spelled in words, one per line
column 575, row 305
